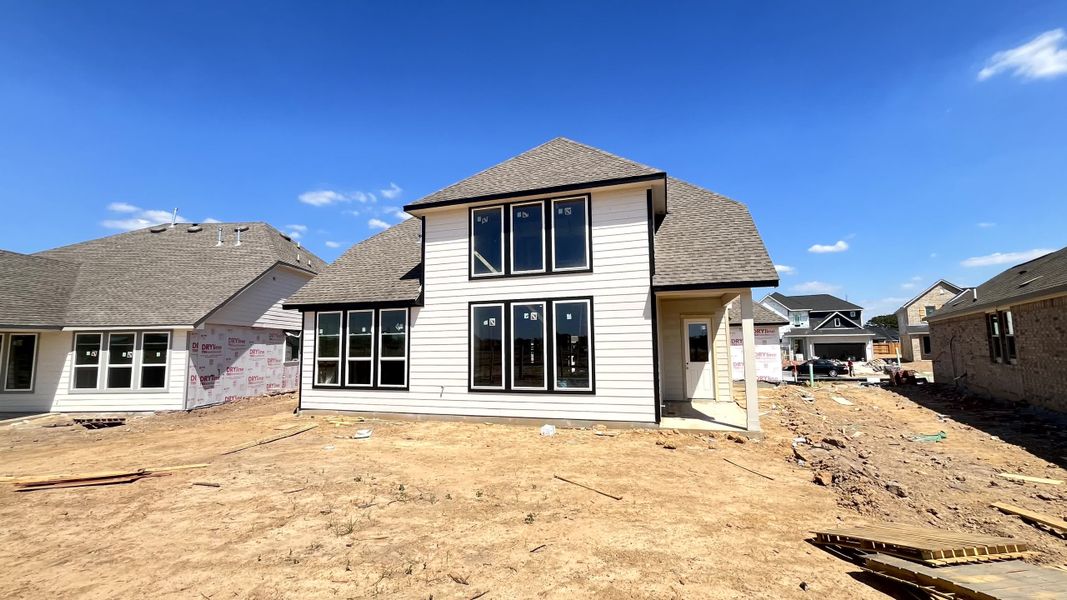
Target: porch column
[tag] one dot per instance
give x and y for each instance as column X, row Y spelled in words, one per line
column 748, row 338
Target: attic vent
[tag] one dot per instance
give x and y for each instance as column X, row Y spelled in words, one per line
column 195, row 228
column 1029, row 281
column 159, row 229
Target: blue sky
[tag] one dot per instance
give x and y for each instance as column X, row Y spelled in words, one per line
column 919, row 140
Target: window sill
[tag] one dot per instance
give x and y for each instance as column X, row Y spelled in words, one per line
column 362, row 388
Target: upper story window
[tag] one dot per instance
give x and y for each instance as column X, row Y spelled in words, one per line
column 570, row 234
column 526, row 238
column 837, row 322
column 930, row 310
column 798, row 318
column 487, row 241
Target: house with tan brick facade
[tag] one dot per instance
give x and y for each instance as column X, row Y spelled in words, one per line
column 1007, row 338
column 914, row 331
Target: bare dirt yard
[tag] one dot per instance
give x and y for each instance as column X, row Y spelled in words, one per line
column 468, row 510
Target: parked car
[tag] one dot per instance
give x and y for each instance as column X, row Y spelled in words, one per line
column 824, row 366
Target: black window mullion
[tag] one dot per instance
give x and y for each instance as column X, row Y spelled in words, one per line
column 505, row 350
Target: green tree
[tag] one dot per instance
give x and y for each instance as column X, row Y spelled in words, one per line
column 884, row 321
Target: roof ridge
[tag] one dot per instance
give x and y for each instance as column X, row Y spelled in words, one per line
column 604, row 152
column 490, row 167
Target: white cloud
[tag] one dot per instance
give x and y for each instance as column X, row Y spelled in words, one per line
column 1005, row 258
column 296, row 231
column 397, row 212
column 840, row 246
column 138, row 218
column 986, row 224
column 210, row 220
column 1040, row 58
column 933, row 255
column 393, row 191
column 363, row 197
column 907, row 286
column 354, row 213
column 122, row 207
column 816, row 287
column 332, row 244
column 785, row 269
column 377, row 224
column 321, row 197
column 882, row 306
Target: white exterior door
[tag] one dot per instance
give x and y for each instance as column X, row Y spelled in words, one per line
column 697, row 335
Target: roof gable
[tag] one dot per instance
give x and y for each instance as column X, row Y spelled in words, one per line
column 831, row 316
column 557, row 164
column 34, row 291
column 814, row 302
column 170, row 275
column 955, row 289
column 1043, row 275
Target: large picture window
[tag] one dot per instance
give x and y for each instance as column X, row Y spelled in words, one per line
column 528, row 349
column 87, row 360
column 522, row 346
column 155, row 347
column 570, row 234
column 393, row 340
column 328, row 348
column 528, row 237
column 573, row 356
column 120, row 351
column 487, row 346
column 487, row 241
column 360, row 347
column 21, row 361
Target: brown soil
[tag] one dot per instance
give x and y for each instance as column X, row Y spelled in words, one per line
column 452, row 510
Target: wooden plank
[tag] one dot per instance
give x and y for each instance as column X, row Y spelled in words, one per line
column 931, row 546
column 992, row 581
column 267, row 440
column 1028, row 479
column 1053, row 524
column 30, row 479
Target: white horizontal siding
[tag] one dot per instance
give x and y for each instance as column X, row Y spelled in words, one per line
column 622, row 326
column 260, row 305
column 52, row 384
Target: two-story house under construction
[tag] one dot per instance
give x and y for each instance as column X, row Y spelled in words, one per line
column 565, row 284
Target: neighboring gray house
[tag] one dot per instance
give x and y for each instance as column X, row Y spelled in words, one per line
column 915, row 341
column 822, row 326
column 564, row 284
column 161, row 318
column 1007, row 338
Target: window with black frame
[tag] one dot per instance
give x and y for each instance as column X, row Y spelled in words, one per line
column 487, row 241
column 21, row 362
column 328, row 349
column 572, row 347
column 360, row 347
column 570, row 234
column 393, row 344
column 528, row 237
column 487, row 346
column 528, row 325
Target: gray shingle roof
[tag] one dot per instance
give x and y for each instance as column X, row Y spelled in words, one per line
column 1047, row 273
column 814, row 302
column 557, row 163
column 384, row 268
column 709, row 239
column 761, row 315
column 34, row 291
column 173, row 277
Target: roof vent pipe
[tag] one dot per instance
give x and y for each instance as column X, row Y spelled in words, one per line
column 239, row 230
column 220, row 236
column 174, row 218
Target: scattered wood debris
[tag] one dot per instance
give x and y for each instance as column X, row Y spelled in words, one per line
column 748, row 469
column 612, row 496
column 267, row 440
column 1049, row 523
column 458, row 579
column 207, row 484
column 1028, row 479
column 1004, row 580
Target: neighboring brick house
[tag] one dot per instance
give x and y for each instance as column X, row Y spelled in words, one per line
column 911, row 319
column 1007, row 338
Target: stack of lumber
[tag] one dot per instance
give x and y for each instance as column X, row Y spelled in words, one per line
column 1011, row 580
column 932, row 547
column 50, row 482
